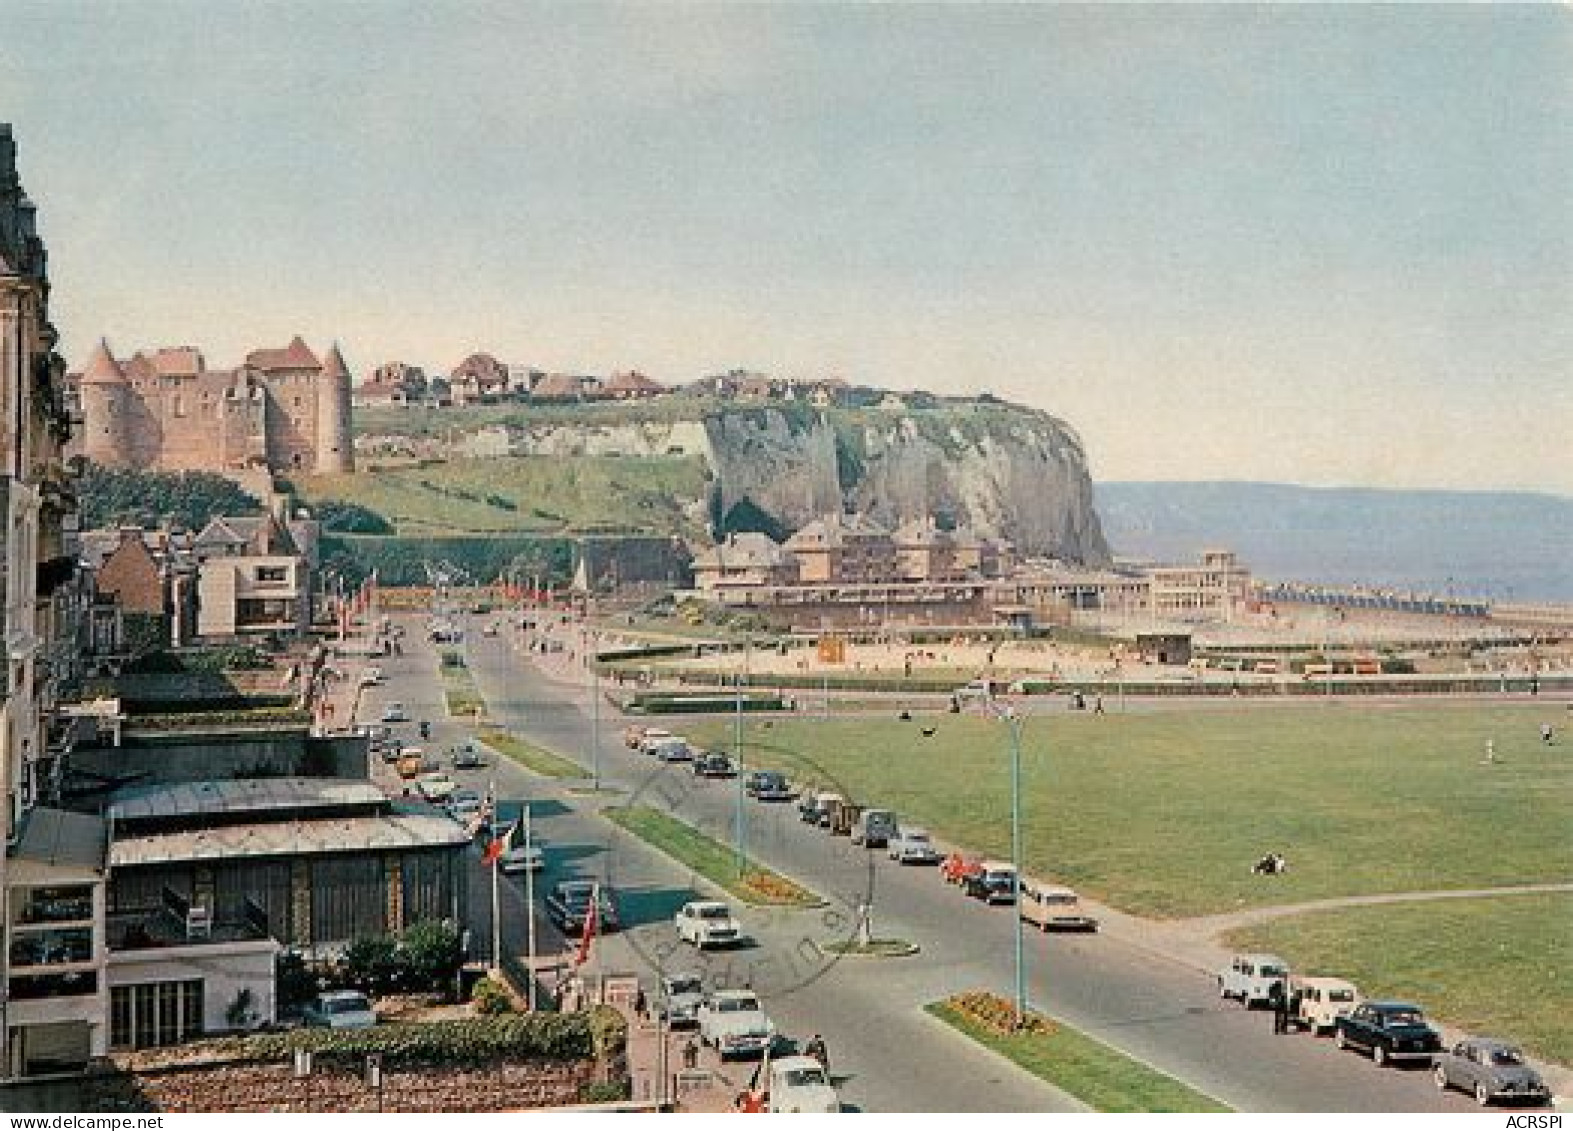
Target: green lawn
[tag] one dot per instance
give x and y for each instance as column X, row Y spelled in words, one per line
column 1162, row 813
column 459, row 690
column 530, row 756
column 525, row 493
column 1101, row 1077
column 709, row 858
column 1498, row 966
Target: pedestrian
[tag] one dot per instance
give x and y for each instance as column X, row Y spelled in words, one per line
column 1097, row 705
column 641, row 1005
column 1280, row 1004
column 1547, row 735
column 816, row 1049
column 690, row 1055
column 1295, row 998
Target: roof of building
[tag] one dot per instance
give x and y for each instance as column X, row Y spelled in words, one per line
column 291, row 838
column 633, row 382
column 246, row 795
column 333, row 362
column 835, row 529
column 56, row 838
column 742, row 551
column 558, row 385
column 262, row 536
column 179, row 361
column 102, row 368
column 296, row 355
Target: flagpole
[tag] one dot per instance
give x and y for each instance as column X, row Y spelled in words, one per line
column 529, row 907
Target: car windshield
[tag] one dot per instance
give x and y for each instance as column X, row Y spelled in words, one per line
column 716, row 912
column 348, row 1005
column 1060, row 900
column 737, row 1005
column 1403, row 1017
column 1340, row 995
column 684, row 986
column 1271, row 971
column 916, row 838
column 805, row 1077
column 1506, row 1056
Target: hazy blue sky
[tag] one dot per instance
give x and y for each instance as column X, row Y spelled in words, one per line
column 1325, row 245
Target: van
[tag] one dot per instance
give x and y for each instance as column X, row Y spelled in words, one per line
column 874, row 828
column 1323, row 1001
column 1050, row 907
column 1251, row 977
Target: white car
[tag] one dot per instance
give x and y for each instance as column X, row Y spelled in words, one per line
column 464, row 805
column 341, row 1009
column 436, row 786
column 652, row 738
column 371, row 677
column 734, row 1023
column 395, row 713
column 913, row 846
column 1251, row 977
column 799, row 1084
column 673, row 750
column 708, row 923
column 522, row 859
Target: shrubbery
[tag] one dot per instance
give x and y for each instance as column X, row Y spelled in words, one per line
column 114, row 497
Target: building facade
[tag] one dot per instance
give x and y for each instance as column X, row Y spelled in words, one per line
column 283, row 411
column 52, row 950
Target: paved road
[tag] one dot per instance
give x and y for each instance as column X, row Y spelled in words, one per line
column 1162, row 1011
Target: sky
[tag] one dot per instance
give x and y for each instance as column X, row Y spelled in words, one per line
column 1319, row 245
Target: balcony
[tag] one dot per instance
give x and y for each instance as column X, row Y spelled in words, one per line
column 50, row 947
column 39, row 987
column 165, row 927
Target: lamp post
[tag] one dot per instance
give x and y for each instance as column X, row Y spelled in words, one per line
column 740, row 816
column 1013, row 721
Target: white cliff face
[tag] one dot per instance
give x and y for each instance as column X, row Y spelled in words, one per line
column 1012, row 473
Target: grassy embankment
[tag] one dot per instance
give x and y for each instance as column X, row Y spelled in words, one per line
column 537, row 494
column 534, row 758
column 1101, row 1077
column 1162, row 813
column 710, row 858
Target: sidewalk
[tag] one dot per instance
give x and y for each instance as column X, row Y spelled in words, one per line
column 709, row 1088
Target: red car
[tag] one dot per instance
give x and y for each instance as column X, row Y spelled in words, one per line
column 957, row 868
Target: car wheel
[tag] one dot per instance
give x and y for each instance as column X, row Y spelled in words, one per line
column 1482, row 1095
column 1439, row 1074
column 1378, row 1055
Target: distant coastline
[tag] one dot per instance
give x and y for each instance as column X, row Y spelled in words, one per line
column 1503, row 546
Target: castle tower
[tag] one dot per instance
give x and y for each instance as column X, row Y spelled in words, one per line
column 335, row 449
column 106, row 410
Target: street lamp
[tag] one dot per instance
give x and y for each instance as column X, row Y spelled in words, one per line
column 1013, row 721
column 740, row 817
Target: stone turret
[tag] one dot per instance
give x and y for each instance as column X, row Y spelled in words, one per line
column 335, row 451
column 106, row 409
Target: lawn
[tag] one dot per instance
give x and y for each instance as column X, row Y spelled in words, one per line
column 1498, row 966
column 710, row 858
column 1162, row 813
column 463, row 697
column 1101, row 1077
column 530, row 756
column 524, row 494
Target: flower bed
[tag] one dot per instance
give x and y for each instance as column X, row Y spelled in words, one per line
column 997, row 1013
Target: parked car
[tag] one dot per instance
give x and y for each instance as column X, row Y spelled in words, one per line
column 799, row 1084
column 633, row 735
column 673, row 750
column 436, row 786
column 1050, row 907
column 371, row 677
column 874, row 827
column 568, row 904
column 912, row 845
column 1250, row 978
column 340, row 1009
column 814, row 808
column 714, row 764
column 395, row 713
column 523, row 859
column 734, row 1023
column 1322, row 1002
column 994, row 882
column 651, row 738
column 467, row 756
column 708, row 922
column 957, row 868
column 680, row 999
column 464, row 805
column 1389, row 1031
column 767, row 785
column 1490, row 1069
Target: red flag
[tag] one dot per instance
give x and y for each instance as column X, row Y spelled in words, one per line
column 494, row 850
column 588, row 935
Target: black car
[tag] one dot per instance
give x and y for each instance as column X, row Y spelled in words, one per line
column 991, row 884
column 767, row 785
column 1389, row 1031
column 714, row 765
column 568, row 904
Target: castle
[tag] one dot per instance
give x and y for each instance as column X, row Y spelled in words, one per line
column 283, row 411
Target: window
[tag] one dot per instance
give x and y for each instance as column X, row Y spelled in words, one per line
column 273, row 574
column 155, row 1014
